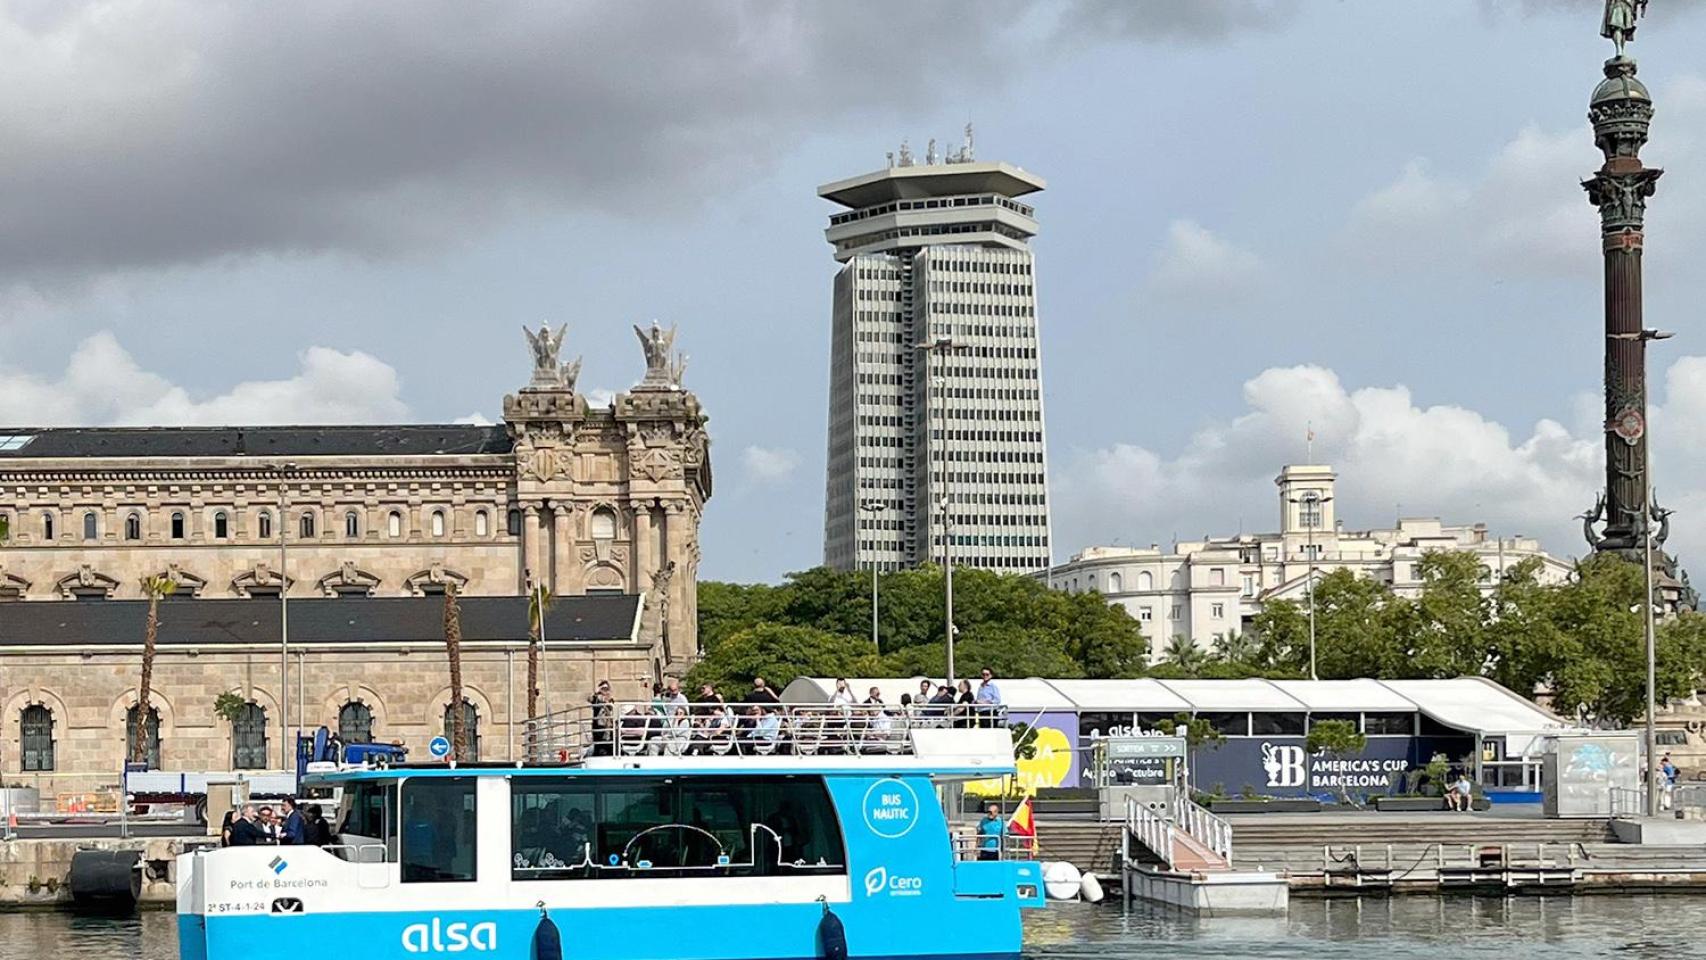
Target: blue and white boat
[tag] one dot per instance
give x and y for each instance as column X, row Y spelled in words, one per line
column 702, row 838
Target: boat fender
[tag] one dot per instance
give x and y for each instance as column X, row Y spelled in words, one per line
column 547, row 939
column 1091, row 888
column 1061, row 880
column 831, row 935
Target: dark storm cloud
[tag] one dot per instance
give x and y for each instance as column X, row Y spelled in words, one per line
column 142, row 135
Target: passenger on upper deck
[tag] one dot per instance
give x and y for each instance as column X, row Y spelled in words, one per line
column 843, row 696
column 672, row 695
column 761, row 693
column 603, row 723
column 875, row 698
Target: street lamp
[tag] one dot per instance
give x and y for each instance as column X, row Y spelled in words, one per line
column 873, row 507
column 943, row 347
column 285, row 742
column 1312, row 519
column 1645, row 516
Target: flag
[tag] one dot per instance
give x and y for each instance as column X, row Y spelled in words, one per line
column 1024, row 823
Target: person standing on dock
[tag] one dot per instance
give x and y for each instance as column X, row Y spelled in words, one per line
column 294, row 829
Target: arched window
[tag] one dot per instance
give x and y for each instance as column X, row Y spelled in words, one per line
column 513, row 522
column 305, row 529
column 249, row 738
column 355, row 722
column 91, row 526
column 437, row 523
column 470, row 727
column 133, row 527
column 47, row 526
column 1146, row 581
column 352, row 524
column 177, row 526
column 263, row 525
column 482, row 524
column 150, row 733
column 35, row 728
column 221, row 525
column 1116, row 583
column 603, row 524
column 393, row 524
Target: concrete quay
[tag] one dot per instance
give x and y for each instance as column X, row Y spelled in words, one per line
column 35, row 872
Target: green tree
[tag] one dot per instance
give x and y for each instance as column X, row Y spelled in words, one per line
column 1448, row 635
column 779, row 653
column 1183, row 653
column 1336, row 739
column 1238, row 647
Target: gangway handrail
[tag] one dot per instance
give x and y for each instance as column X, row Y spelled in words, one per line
column 1151, row 829
column 1204, row 826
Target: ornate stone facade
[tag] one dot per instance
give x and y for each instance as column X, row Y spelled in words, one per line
column 587, row 500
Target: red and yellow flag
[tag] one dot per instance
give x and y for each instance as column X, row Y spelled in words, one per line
column 1024, row 823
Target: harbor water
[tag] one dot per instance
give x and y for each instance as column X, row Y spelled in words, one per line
column 1400, row 928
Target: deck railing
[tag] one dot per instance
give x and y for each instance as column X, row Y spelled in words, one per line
column 660, row 728
column 1206, row 828
column 1149, row 827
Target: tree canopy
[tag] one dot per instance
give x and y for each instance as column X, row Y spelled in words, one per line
column 818, row 622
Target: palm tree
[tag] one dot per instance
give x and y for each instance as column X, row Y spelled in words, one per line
column 538, row 604
column 1182, row 652
column 1241, row 648
column 154, row 588
column 453, row 652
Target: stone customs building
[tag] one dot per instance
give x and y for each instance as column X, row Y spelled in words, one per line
column 363, row 529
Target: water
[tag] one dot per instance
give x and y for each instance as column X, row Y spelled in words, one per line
column 1404, row 928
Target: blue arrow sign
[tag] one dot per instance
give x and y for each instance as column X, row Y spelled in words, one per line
column 439, row 747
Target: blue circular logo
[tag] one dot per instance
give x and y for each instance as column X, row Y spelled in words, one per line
column 439, row 747
column 891, row 808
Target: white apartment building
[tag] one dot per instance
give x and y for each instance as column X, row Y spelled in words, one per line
column 932, row 251
column 1206, row 589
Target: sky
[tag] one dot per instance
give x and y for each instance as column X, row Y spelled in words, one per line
column 1261, row 215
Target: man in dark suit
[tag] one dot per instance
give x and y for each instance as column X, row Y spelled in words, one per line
column 244, row 831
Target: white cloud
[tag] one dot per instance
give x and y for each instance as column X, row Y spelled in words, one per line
column 1391, row 454
column 475, row 419
column 103, row 384
column 1197, row 266
column 1523, row 212
column 770, row 465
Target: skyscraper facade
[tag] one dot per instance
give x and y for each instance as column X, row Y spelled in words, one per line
column 935, row 253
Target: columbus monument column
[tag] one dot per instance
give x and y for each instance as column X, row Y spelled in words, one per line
column 1620, row 112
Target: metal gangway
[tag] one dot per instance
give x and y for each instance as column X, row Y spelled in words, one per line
column 1185, row 835
column 661, row 728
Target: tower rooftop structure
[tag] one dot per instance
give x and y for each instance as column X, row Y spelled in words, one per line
column 917, row 205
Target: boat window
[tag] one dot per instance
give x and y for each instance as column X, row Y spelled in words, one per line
column 438, row 827
column 366, row 813
column 577, row 827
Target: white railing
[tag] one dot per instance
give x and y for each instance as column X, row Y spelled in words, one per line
column 1151, row 829
column 1628, row 801
column 614, row 728
column 1207, row 829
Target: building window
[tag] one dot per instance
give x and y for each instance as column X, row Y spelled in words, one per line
column 470, row 728
column 221, row 526
column 355, row 722
column 445, row 850
column 1312, row 551
column 603, row 524
column 133, row 527
column 151, row 735
column 249, row 738
column 438, row 523
column 91, row 526
column 1217, row 577
column 35, row 728
column 394, row 525
column 263, row 525
column 1309, row 511
column 1249, row 586
column 1175, row 612
column 1145, row 581
column 482, row 524
column 513, row 522
column 1115, row 583
column 305, row 529
column 177, row 526
column 47, row 526
column 1217, row 610
column 1145, row 614
column 352, row 525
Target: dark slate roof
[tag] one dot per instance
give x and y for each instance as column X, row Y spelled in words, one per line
column 415, row 439
column 354, row 620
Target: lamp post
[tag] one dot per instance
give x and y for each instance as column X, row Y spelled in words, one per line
column 942, row 348
column 1312, row 520
column 1644, row 516
column 285, row 742
column 873, row 507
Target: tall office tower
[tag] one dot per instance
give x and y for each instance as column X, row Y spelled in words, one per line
column 935, row 251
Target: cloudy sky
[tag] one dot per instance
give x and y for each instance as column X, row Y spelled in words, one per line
column 1260, row 214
